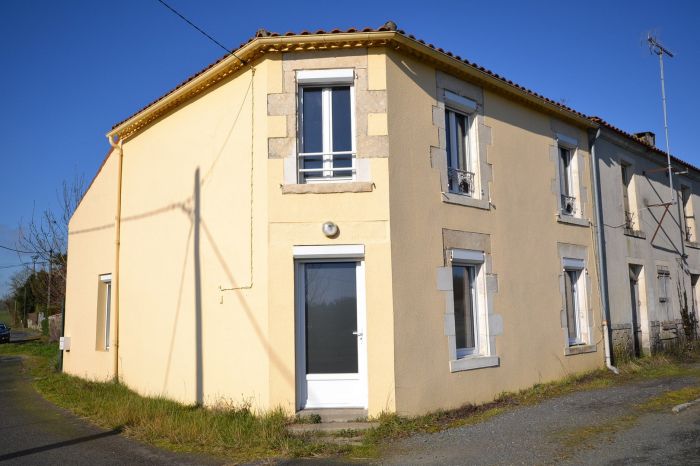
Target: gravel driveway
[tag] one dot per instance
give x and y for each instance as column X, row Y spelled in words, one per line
column 591, row 427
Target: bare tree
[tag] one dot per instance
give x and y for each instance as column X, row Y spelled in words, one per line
column 46, row 234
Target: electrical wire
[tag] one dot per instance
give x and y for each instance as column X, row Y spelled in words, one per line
column 17, row 250
column 15, row 265
column 200, row 30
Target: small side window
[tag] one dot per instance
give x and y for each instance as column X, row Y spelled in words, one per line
column 104, row 312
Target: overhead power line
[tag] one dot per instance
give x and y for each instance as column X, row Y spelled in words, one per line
column 14, row 265
column 200, row 30
column 17, row 250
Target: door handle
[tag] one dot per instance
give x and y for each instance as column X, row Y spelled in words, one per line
column 357, row 333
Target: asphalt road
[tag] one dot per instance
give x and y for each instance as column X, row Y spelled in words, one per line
column 35, row 432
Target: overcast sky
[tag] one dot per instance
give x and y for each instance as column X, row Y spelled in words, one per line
column 71, row 69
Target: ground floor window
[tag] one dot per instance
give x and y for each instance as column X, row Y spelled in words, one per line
column 575, row 302
column 465, row 305
column 469, row 301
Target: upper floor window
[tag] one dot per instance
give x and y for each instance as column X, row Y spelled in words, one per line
column 568, row 183
column 626, row 174
column 688, row 214
column 462, row 154
column 568, row 200
column 326, row 122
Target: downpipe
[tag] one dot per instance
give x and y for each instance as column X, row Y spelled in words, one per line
column 602, row 259
column 117, row 244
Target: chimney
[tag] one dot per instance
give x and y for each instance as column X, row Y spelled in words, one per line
column 647, row 137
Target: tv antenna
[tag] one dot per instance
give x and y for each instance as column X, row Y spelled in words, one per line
column 656, row 47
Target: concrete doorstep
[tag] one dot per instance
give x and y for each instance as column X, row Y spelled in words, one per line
column 335, row 425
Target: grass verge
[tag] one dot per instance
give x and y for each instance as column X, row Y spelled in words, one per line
column 238, row 433
column 234, row 432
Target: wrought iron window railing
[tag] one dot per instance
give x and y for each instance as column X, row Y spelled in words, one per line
column 460, row 181
column 629, row 220
column 568, row 205
column 326, row 166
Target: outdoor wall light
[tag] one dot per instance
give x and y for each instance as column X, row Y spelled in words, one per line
column 330, row 229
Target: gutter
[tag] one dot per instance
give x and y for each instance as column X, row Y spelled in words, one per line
column 117, row 244
column 602, row 258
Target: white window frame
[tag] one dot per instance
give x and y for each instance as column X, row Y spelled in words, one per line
column 326, row 79
column 106, row 281
column 580, row 300
column 572, row 183
column 457, row 105
column 475, row 259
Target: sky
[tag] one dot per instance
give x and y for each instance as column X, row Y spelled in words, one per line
column 73, row 68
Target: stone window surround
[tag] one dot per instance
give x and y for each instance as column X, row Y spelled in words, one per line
column 493, row 324
column 561, row 135
column 482, row 134
column 576, row 252
column 632, row 193
column 370, row 119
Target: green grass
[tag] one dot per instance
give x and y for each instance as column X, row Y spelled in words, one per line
column 235, row 432
column 238, row 433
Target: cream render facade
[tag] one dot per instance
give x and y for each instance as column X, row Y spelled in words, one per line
column 214, row 258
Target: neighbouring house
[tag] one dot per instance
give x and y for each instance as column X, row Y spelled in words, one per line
column 651, row 246
column 338, row 219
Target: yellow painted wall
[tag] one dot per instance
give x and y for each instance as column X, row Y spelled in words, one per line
column 90, row 254
column 247, row 335
column 524, row 235
column 363, row 218
column 205, row 143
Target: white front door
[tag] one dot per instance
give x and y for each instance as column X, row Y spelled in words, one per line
column 331, row 348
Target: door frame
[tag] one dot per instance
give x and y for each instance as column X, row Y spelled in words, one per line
column 329, row 253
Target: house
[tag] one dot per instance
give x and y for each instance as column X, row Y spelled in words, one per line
column 338, row 219
column 651, row 247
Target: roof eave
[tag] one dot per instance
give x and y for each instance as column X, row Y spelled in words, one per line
column 276, row 44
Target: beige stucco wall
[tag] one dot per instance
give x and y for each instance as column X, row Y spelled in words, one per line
column 362, row 217
column 524, row 235
column 90, row 254
column 396, row 210
column 208, row 143
column 247, row 335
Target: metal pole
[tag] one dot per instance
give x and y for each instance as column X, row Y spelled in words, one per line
column 48, row 294
column 660, row 53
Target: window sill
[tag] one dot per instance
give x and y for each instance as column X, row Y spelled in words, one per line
column 693, row 244
column 579, row 349
column 463, row 199
column 570, row 220
column 474, row 362
column 635, row 233
column 328, row 188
